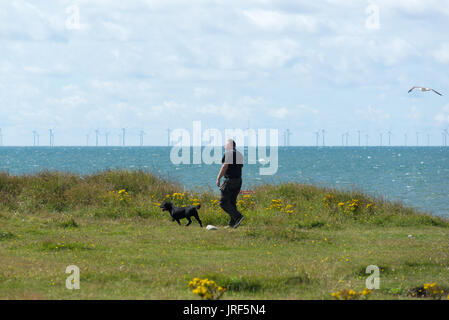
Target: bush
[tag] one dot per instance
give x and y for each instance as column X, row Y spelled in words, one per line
column 58, row 191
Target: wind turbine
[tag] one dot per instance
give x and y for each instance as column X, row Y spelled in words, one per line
column 347, row 138
column 246, row 140
column 106, row 135
column 342, row 139
column 323, row 132
column 97, row 132
column 123, row 136
column 417, row 138
column 168, row 137
column 358, row 133
column 142, row 133
column 317, row 136
column 288, row 134
column 52, row 136
column 389, row 137
column 35, row 138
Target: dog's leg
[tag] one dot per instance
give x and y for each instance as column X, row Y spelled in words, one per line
column 177, row 220
column 190, row 221
column 198, row 219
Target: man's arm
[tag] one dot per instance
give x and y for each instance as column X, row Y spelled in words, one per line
column 223, row 169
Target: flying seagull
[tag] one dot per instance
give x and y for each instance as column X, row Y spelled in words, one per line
column 424, row 90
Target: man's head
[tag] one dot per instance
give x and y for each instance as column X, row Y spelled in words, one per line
column 230, row 145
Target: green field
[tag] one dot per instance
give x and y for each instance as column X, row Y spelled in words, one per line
column 297, row 241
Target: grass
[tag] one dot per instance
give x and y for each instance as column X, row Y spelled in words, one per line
column 297, row 242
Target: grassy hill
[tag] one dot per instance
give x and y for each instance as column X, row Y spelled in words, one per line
column 297, row 241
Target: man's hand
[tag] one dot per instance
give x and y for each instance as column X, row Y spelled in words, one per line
column 223, row 169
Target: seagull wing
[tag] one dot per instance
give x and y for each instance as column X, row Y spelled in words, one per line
column 436, row 92
column 411, row 89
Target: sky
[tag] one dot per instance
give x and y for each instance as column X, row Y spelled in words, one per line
column 338, row 65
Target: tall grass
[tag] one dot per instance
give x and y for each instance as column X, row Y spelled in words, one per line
column 300, row 206
column 58, row 191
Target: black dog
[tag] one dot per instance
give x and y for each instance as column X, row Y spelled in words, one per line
column 177, row 213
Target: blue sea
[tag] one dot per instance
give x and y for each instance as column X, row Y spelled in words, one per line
column 418, row 176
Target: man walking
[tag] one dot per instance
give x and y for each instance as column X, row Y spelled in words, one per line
column 232, row 171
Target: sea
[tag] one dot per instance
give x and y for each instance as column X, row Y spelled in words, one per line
column 417, row 176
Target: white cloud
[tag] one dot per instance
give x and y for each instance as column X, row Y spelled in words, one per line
column 442, row 54
column 67, row 101
column 279, row 113
column 442, row 118
column 387, row 51
column 224, row 111
column 272, row 53
column 371, row 114
column 200, row 93
column 56, row 69
column 414, row 114
column 271, row 20
column 113, row 31
column 297, row 112
column 415, row 7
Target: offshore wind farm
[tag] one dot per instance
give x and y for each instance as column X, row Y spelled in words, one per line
column 316, row 138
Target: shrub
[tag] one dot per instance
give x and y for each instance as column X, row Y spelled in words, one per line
column 350, row 294
column 206, row 289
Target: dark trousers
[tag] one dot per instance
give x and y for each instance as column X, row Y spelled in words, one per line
column 229, row 192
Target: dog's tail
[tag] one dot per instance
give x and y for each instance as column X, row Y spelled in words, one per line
column 198, row 206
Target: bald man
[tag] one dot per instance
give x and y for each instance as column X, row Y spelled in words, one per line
column 231, row 170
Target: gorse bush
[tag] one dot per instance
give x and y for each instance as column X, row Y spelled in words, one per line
column 350, row 294
column 206, row 289
column 429, row 290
